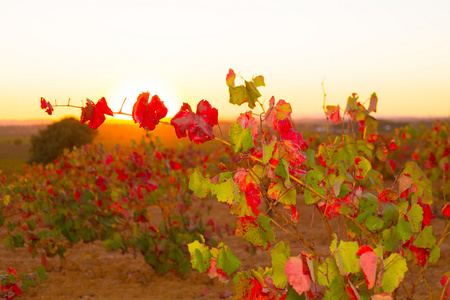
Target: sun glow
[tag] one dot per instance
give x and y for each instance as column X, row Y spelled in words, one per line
column 131, row 90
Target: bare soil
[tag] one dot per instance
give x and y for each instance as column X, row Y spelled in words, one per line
column 90, row 272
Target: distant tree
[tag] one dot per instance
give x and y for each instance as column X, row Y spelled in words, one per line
column 65, row 134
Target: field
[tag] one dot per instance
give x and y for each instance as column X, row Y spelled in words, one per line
column 91, row 272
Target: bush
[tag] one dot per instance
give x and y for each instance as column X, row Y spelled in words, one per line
column 65, row 134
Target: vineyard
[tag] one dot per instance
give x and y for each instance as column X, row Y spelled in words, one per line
column 267, row 211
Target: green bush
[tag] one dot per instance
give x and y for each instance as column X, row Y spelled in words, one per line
column 65, row 134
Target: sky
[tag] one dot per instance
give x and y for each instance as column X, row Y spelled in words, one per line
column 182, row 51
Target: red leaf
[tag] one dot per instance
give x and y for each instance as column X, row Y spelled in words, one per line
column 294, row 271
column 44, row 260
column 47, row 106
column 230, row 78
column 388, row 195
column 393, row 165
column 278, row 112
column 368, row 263
column 427, row 214
column 175, row 165
column 393, row 145
column 247, row 120
column 363, row 249
column 102, row 107
column 292, row 143
column 12, row 271
column 16, row 290
column 445, row 282
column 446, row 211
column 198, row 126
column 95, row 113
column 333, row 113
column 148, row 114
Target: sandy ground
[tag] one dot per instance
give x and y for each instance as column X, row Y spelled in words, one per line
column 90, row 272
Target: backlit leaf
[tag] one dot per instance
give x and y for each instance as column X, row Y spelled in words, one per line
column 295, row 276
column 198, row 126
column 148, row 114
column 314, row 179
column 257, row 231
column 280, row 255
column 346, row 258
column 425, row 239
column 199, row 184
column 241, row 139
column 200, row 256
column 415, row 217
column 227, row 261
column 394, row 271
column 368, row 263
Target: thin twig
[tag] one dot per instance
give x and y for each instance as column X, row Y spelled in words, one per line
column 122, row 105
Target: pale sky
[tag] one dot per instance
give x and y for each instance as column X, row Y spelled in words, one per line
column 182, row 50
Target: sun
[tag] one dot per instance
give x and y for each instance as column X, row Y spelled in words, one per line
column 131, row 89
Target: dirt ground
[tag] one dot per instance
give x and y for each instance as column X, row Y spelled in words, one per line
column 90, row 272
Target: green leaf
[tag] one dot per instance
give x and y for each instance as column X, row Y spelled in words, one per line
column 282, row 170
column 313, row 179
column 368, row 206
column 394, row 271
column 243, row 283
column 435, row 253
column 415, row 217
column 363, row 166
column 258, row 231
column 337, row 184
column 404, row 229
column 226, row 191
column 346, row 258
column 241, row 139
column 41, row 274
column 373, row 223
column 199, row 184
column 277, row 190
column 200, row 256
column 336, row 289
column 425, row 239
column 310, row 158
column 27, row 281
column 238, row 95
column 226, row 260
column 259, row 81
column 280, row 255
column 268, row 151
column 390, row 214
column 327, row 271
column 390, row 239
column 252, row 93
column 293, row 295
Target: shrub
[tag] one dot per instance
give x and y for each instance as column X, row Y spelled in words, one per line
column 65, row 134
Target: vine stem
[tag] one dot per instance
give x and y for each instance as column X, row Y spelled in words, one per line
column 291, row 234
column 325, row 111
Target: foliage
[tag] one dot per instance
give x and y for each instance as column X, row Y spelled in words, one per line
column 65, row 134
column 388, row 230
column 135, row 199
column 13, row 284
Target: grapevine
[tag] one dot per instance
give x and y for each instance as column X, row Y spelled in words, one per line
column 388, row 224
